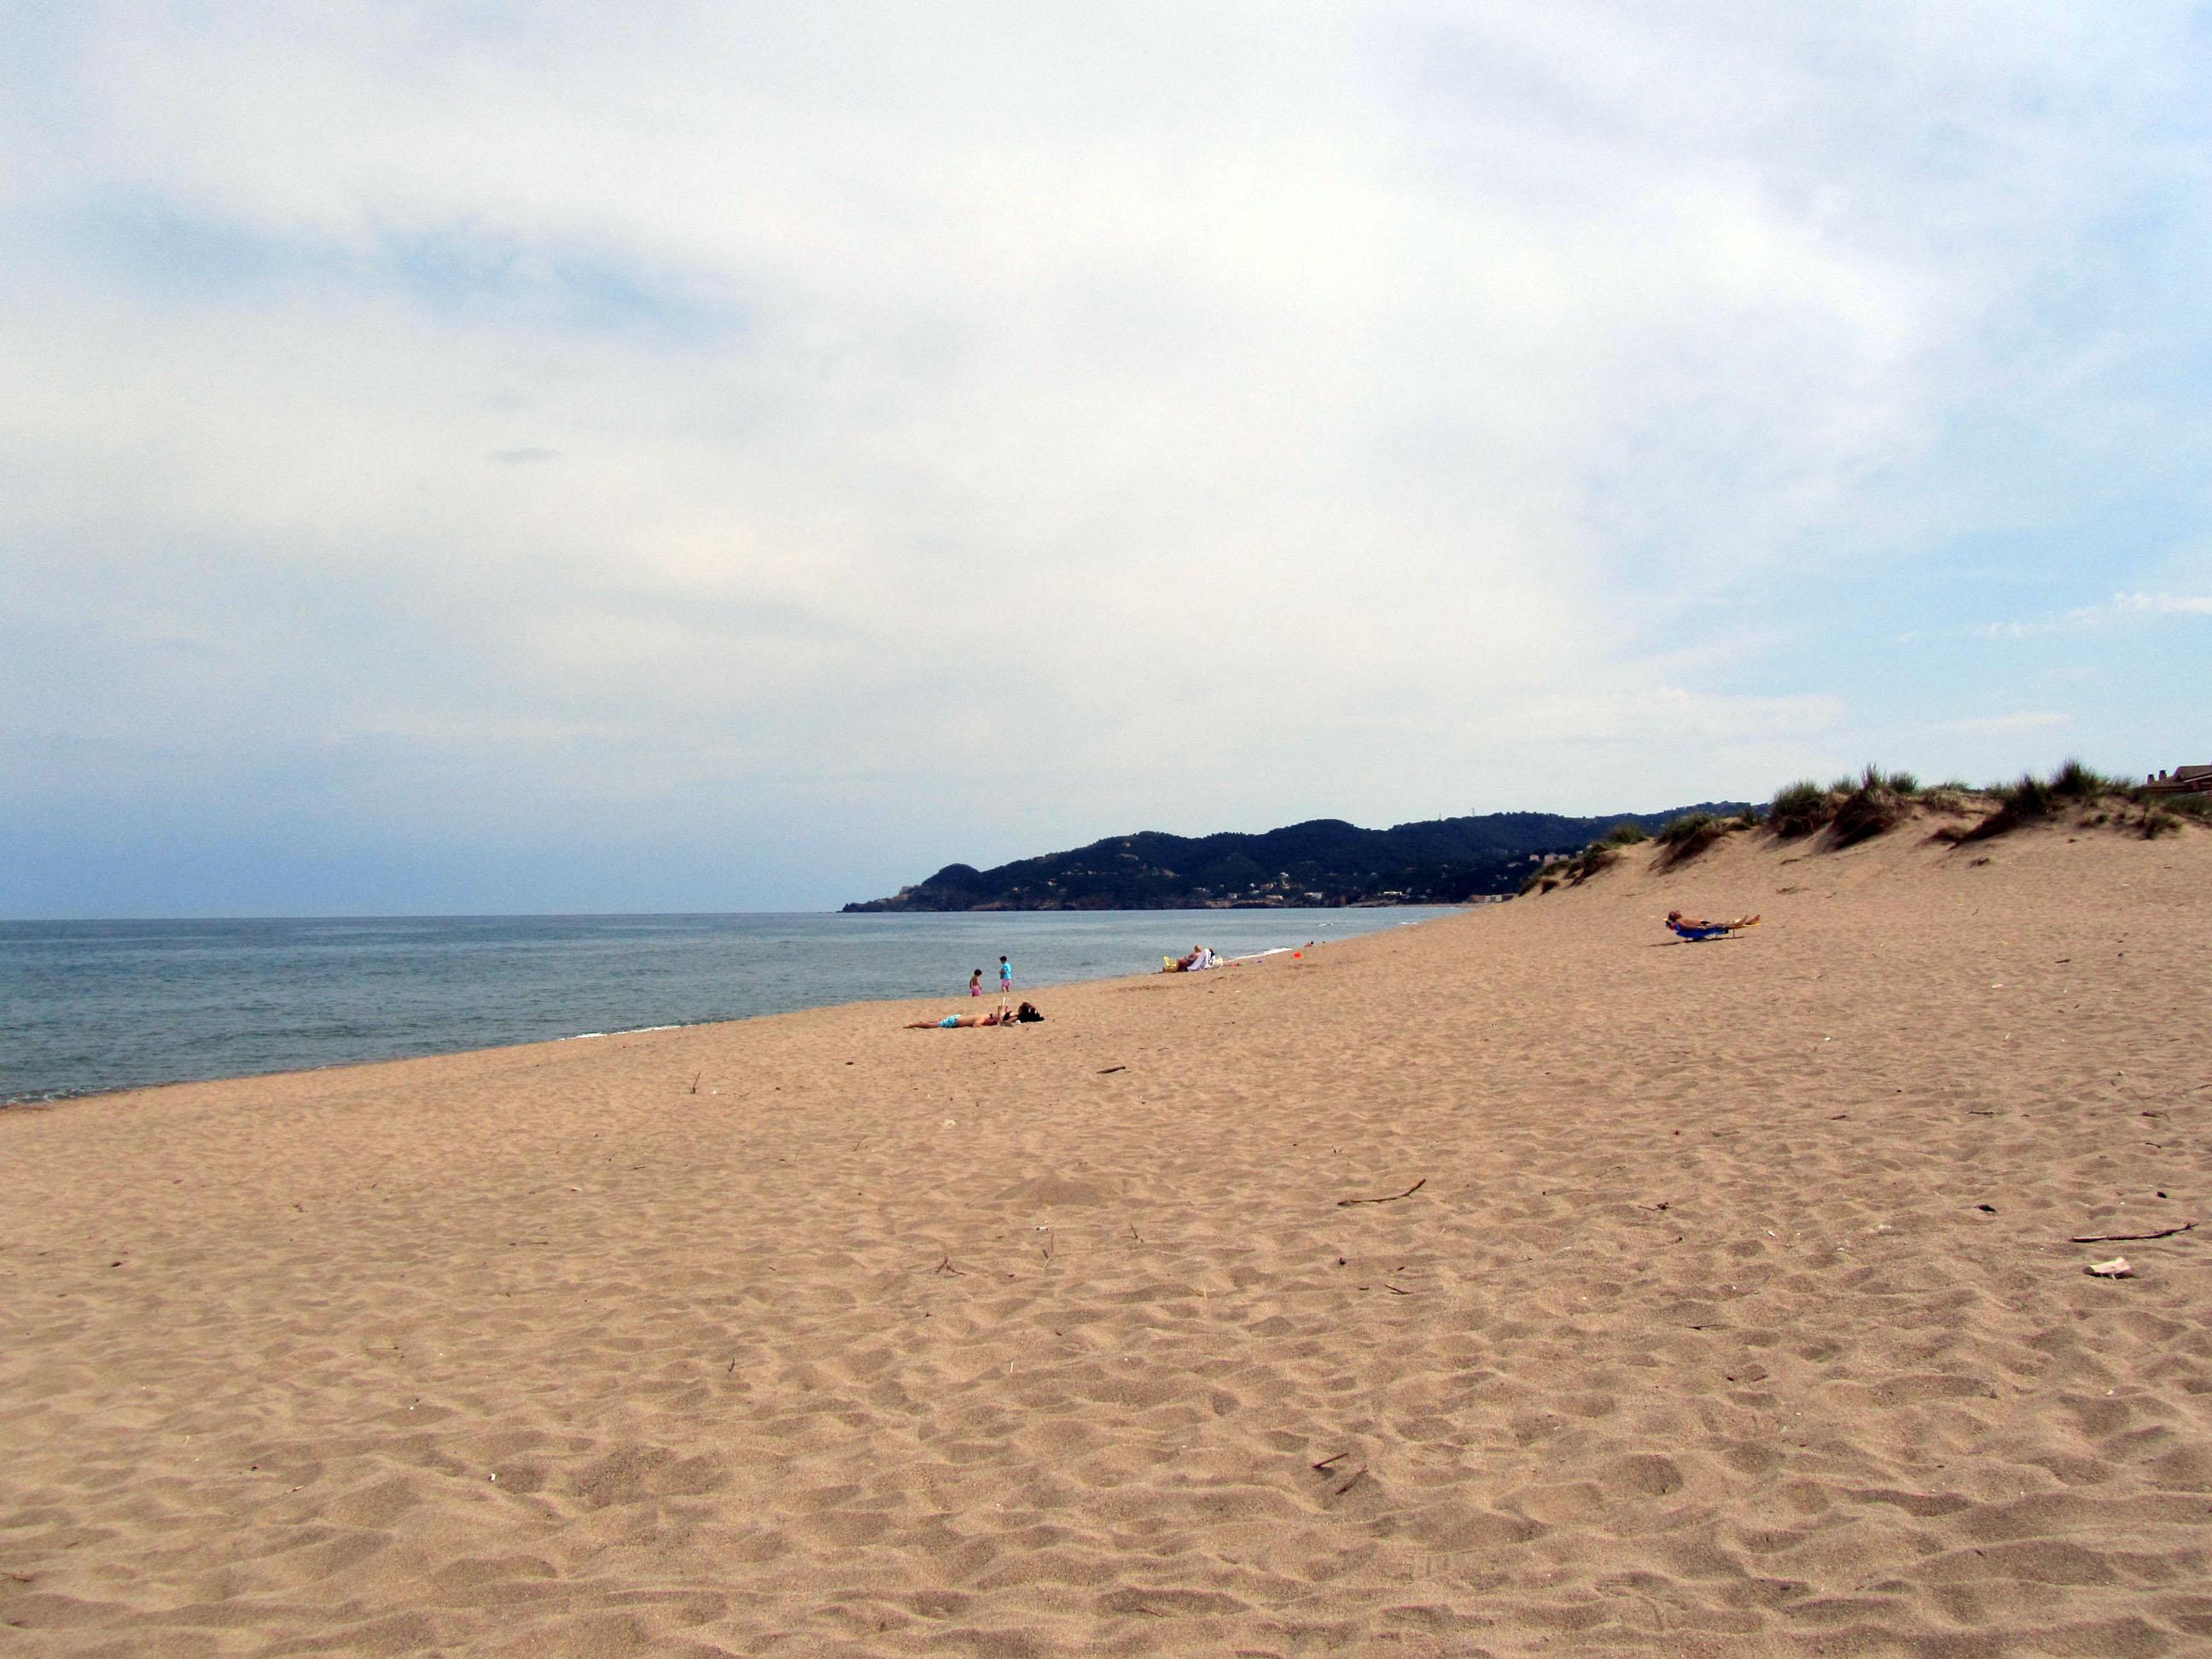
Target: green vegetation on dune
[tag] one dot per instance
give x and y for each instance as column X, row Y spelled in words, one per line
column 1852, row 810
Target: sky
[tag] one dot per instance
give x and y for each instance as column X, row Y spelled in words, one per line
column 478, row 457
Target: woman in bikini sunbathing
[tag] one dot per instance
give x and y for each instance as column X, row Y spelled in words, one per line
column 951, row 1022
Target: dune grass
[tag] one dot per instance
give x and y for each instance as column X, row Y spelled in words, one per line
column 2026, row 801
column 1798, row 809
column 1573, row 870
column 1852, row 808
column 1858, row 808
column 1877, row 805
column 2092, row 798
column 2074, row 781
column 1682, row 839
column 2189, row 806
column 1855, row 809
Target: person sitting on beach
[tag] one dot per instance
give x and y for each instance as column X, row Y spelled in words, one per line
column 1698, row 927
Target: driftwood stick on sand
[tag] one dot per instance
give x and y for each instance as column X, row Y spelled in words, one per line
column 2126, row 1238
column 1326, row 1462
column 1392, row 1199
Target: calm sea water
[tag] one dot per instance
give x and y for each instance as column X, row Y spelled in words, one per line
column 89, row 1005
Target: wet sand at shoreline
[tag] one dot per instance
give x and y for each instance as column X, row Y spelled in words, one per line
column 1733, row 1311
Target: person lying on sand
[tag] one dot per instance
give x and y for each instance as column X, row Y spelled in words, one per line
column 951, row 1022
column 1698, row 927
column 1002, row 1015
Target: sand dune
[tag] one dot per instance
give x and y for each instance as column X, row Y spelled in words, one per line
column 1735, row 1312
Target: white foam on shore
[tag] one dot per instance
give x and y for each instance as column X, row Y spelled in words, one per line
column 627, row 1031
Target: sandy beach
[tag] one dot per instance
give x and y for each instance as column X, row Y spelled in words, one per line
column 1711, row 1299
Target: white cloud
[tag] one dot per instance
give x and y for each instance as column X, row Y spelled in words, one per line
column 2165, row 604
column 2081, row 616
column 1011, row 421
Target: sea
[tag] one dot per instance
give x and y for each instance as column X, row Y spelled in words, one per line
column 87, row 1006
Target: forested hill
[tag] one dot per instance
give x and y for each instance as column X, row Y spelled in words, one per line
column 1326, row 862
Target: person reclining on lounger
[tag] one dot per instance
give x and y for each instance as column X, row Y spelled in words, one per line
column 1697, row 928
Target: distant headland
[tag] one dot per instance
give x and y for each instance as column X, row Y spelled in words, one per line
column 1325, row 862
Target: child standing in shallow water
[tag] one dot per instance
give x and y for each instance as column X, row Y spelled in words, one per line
column 1005, row 977
column 975, row 983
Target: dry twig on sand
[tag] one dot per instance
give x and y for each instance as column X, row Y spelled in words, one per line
column 1392, row 1199
column 2126, row 1238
